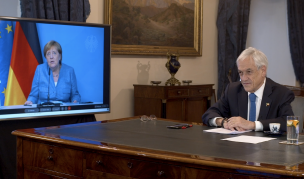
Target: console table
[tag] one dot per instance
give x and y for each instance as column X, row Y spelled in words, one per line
column 184, row 102
column 130, row 148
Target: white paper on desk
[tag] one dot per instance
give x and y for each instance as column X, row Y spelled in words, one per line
column 249, row 139
column 224, row 131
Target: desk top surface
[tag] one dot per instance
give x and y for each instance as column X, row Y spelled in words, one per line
column 153, row 137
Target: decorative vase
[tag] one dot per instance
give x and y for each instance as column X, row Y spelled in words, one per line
column 172, row 65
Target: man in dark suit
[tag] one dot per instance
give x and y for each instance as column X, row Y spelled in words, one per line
column 253, row 102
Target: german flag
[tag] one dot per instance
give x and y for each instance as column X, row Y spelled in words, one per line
column 26, row 55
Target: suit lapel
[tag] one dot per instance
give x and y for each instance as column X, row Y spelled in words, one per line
column 266, row 101
column 243, row 104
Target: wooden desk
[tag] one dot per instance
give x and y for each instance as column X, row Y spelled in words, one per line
column 185, row 102
column 129, row 148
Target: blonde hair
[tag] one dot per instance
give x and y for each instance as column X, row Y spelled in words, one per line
column 51, row 44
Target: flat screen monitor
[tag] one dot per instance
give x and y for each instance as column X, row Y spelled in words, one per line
column 39, row 78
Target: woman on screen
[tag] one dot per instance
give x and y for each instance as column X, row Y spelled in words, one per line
column 54, row 80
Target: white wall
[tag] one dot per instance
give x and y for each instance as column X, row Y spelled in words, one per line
column 268, row 32
column 10, row 8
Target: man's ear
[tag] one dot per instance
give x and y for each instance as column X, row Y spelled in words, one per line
column 263, row 70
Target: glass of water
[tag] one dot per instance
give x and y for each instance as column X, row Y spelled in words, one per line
column 144, row 118
column 292, row 129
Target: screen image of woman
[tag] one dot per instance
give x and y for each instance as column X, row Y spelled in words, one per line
column 53, row 80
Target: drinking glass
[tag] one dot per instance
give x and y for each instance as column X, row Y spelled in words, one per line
column 152, row 117
column 144, row 118
column 292, row 129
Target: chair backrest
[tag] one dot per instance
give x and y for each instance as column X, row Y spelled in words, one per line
column 298, row 104
column 213, row 98
column 298, row 109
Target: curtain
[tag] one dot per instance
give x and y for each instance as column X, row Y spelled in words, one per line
column 232, row 24
column 295, row 13
column 67, row 10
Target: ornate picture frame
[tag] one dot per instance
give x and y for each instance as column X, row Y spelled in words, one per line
column 155, row 32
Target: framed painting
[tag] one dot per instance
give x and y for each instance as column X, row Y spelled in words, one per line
column 155, row 27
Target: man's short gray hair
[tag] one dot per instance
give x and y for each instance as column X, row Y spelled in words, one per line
column 259, row 57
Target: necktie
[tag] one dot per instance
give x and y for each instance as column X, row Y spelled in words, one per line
column 252, row 111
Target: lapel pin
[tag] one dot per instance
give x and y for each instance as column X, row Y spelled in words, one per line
column 267, row 104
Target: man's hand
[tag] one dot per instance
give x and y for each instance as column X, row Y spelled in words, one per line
column 218, row 121
column 240, row 124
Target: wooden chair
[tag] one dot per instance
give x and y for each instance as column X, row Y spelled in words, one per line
column 298, row 104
